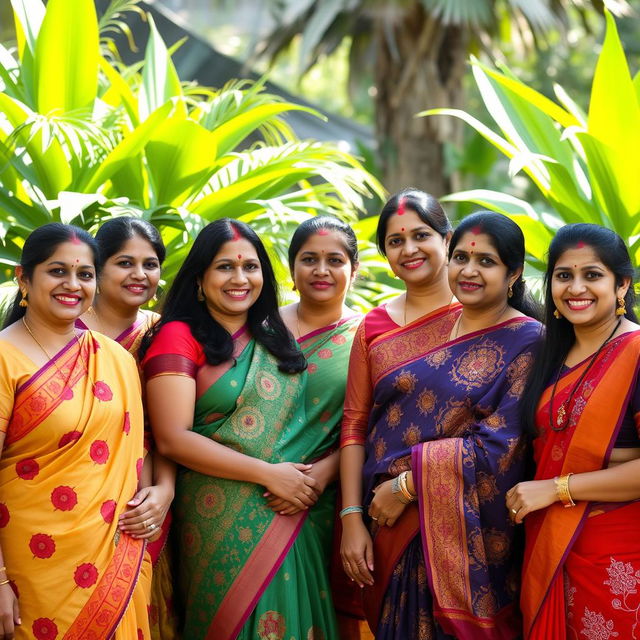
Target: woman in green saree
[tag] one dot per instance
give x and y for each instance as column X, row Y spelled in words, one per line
column 226, row 399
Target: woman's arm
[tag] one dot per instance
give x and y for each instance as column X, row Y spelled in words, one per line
column 615, row 484
column 9, row 610
column 151, row 503
column 170, row 404
column 356, row 548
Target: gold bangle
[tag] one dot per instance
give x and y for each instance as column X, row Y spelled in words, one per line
column 562, row 490
column 404, row 488
column 396, row 490
column 7, row 581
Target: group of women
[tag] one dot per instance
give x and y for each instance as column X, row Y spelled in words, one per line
column 450, row 414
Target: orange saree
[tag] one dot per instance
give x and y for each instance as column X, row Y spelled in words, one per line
column 582, row 565
column 72, row 454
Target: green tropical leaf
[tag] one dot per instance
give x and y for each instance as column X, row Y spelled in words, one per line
column 66, row 63
column 160, row 81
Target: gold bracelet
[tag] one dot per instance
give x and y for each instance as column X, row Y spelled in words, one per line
column 396, row 489
column 562, row 490
column 404, row 487
column 7, row 581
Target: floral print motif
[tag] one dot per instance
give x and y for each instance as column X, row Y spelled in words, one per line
column 42, row 545
column 478, row 365
column 64, row 498
column 108, row 510
column 86, row 575
column 595, row 627
column 70, row 436
column 27, row 469
column 271, row 626
column 99, row 451
column 394, row 415
column 405, row 381
column 4, row 515
column 126, row 425
column 102, row 391
column 44, row 629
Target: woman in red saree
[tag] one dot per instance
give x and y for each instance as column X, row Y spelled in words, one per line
column 131, row 256
column 582, row 516
column 72, row 446
column 441, row 439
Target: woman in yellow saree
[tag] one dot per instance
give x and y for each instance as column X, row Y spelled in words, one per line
column 71, row 434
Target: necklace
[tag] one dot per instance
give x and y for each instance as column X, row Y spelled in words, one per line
column 566, row 409
column 94, row 313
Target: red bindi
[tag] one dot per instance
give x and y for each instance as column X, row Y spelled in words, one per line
column 323, row 232
column 473, row 244
column 401, row 206
column 239, row 257
column 477, row 230
column 402, row 229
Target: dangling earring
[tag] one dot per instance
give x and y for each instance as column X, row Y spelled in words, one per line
column 556, row 315
column 200, row 294
column 24, row 302
column 622, row 307
column 510, row 291
column 98, row 289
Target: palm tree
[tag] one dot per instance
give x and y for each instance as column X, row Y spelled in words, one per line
column 416, row 51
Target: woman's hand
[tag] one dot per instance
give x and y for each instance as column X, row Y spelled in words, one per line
column 9, row 612
column 281, row 506
column 289, row 481
column 385, row 508
column 356, row 550
column 526, row 497
column 147, row 512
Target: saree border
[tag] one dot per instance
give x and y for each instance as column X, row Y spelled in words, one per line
column 255, row 576
column 51, row 390
column 559, row 527
column 101, row 614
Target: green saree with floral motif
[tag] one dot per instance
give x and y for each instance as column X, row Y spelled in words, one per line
column 244, row 571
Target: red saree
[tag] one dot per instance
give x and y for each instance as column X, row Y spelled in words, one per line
column 572, row 588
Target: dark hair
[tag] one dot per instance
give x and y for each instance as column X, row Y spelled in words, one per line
column 264, row 320
column 41, row 244
column 560, row 336
column 425, row 206
column 507, row 239
column 116, row 231
column 313, row 225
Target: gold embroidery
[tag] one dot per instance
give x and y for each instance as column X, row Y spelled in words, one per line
column 411, row 435
column 394, row 415
column 478, row 365
column 484, row 602
column 486, row 487
column 515, row 450
column 517, row 373
column 454, row 418
column 380, row 448
column 438, row 358
column 495, row 421
column 426, row 401
column 497, row 546
column 405, row 381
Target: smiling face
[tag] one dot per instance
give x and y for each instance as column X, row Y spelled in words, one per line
column 584, row 289
column 477, row 276
column 322, row 271
column 232, row 283
column 62, row 287
column 130, row 277
column 415, row 251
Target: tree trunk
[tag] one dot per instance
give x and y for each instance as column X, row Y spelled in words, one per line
column 419, row 65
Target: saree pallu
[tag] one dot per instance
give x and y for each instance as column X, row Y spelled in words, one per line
column 244, row 571
column 162, row 616
column 574, row 584
column 449, row 411
column 71, row 459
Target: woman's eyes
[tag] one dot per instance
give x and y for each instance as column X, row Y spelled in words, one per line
column 84, row 275
column 126, row 264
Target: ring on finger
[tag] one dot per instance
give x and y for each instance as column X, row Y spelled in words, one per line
column 144, row 524
column 374, row 518
column 514, row 511
column 152, row 527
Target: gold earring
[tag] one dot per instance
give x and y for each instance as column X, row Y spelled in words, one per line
column 556, row 315
column 200, row 294
column 622, row 307
column 24, row 302
column 510, row 291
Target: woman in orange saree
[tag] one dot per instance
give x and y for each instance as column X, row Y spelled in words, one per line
column 581, row 512
column 72, row 435
column 131, row 255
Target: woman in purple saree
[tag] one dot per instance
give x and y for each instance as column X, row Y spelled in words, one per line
column 442, row 443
